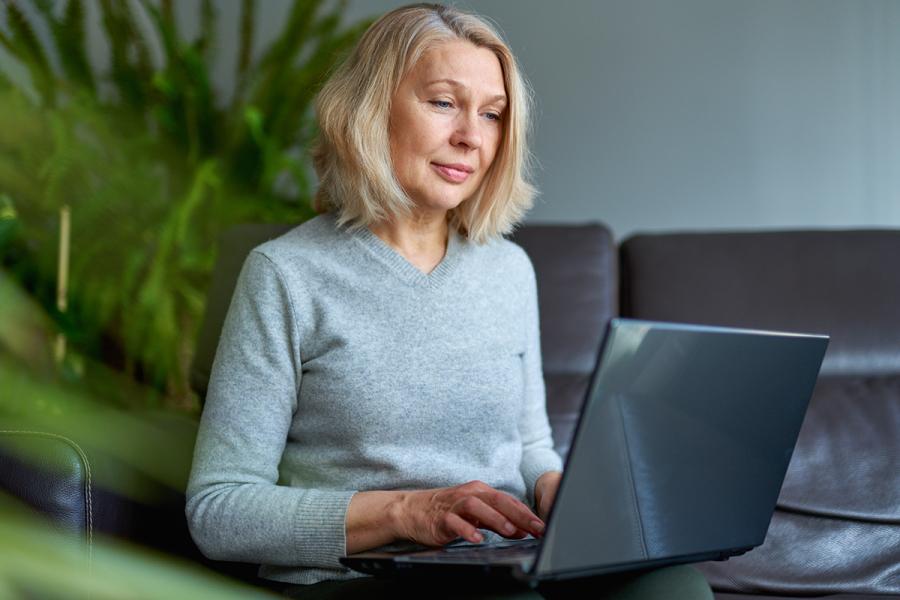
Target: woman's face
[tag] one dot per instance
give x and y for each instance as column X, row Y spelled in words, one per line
column 446, row 124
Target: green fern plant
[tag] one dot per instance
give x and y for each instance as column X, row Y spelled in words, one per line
column 152, row 163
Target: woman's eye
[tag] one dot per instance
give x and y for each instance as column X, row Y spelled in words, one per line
column 492, row 116
column 442, row 104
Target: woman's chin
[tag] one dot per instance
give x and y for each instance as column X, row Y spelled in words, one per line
column 439, row 205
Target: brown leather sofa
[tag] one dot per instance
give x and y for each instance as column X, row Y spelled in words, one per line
column 837, row 523
column 836, row 529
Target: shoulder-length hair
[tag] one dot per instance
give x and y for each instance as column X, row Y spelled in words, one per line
column 352, row 154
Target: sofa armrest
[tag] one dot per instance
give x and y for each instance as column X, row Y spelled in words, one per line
column 52, row 474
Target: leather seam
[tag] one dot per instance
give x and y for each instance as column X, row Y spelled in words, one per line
column 835, row 516
column 88, row 485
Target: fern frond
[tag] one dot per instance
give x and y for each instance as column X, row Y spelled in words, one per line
column 278, row 61
column 206, row 42
column 245, row 49
column 24, row 45
column 303, row 84
column 69, row 36
column 130, row 58
column 168, row 14
column 187, row 112
column 164, row 22
column 293, row 34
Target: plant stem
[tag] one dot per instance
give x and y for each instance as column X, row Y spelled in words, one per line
column 62, row 279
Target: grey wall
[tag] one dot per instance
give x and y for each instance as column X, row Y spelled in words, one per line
column 697, row 114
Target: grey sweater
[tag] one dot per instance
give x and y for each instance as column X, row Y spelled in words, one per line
column 342, row 368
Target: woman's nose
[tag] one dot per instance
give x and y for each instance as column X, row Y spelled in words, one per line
column 467, row 132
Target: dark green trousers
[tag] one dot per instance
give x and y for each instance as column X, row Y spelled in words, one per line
column 681, row 582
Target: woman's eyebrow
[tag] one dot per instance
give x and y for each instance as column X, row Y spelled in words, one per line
column 459, row 84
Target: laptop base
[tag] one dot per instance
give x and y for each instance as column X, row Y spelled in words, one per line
column 386, row 565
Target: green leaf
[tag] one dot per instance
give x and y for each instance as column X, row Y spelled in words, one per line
column 69, row 36
column 129, row 56
column 10, row 226
column 245, row 48
column 168, row 15
column 24, row 45
column 41, row 562
column 254, row 119
column 206, row 42
column 277, row 61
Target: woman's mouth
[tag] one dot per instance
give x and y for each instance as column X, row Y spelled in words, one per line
column 453, row 173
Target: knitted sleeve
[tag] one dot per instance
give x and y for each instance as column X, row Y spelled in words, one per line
column 235, row 508
column 538, row 455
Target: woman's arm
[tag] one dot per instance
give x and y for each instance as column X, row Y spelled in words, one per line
column 235, row 508
column 538, row 455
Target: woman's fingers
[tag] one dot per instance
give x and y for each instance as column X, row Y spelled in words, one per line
column 463, row 528
column 516, row 512
column 476, row 510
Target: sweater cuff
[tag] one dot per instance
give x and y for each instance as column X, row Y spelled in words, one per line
column 320, row 528
column 534, row 464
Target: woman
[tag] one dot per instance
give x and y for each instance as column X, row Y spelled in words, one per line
column 378, row 378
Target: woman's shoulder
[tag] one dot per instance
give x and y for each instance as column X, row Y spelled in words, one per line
column 316, row 238
column 506, row 255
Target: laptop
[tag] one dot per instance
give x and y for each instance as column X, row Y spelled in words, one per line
column 679, row 455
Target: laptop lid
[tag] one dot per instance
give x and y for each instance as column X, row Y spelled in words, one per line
column 681, row 447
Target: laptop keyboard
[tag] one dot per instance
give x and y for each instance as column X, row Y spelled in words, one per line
column 514, row 551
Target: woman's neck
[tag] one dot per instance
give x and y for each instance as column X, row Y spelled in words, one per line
column 420, row 239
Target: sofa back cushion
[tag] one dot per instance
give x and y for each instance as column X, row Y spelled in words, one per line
column 838, row 519
column 843, row 283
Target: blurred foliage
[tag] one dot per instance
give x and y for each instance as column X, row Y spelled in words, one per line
column 152, row 446
column 40, row 562
column 154, row 165
column 137, row 455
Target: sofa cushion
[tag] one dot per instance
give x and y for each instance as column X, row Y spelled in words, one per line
column 845, row 464
column 843, row 283
column 731, row 596
column 577, row 275
column 808, row 555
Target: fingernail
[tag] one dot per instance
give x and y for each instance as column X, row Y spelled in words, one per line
column 537, row 526
column 478, row 537
column 509, row 529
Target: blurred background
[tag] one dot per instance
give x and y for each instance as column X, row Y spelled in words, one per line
column 134, row 132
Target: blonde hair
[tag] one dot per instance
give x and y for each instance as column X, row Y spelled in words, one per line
column 352, row 154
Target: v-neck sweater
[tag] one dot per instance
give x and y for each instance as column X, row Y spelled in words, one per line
column 342, row 368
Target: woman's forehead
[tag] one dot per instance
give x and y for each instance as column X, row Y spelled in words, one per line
column 461, row 64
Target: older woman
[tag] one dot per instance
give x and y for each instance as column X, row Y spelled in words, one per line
column 378, row 379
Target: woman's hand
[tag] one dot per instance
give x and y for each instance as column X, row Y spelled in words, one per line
column 437, row 517
column 545, row 492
